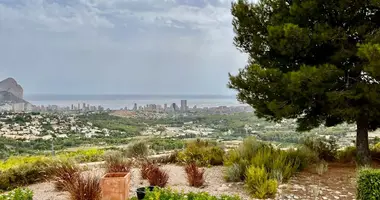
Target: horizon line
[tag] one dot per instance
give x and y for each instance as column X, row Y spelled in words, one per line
column 109, row 94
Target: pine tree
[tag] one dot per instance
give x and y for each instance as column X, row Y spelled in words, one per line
column 314, row 60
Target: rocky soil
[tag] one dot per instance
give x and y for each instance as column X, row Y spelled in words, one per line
column 337, row 183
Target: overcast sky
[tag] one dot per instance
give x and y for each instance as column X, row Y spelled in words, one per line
column 118, row 46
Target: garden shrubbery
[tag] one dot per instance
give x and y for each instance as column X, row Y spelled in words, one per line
column 64, row 173
column 84, row 187
column 259, row 183
column 18, row 194
column 20, row 171
column 347, row 155
column 137, row 150
column 263, row 167
column 167, row 194
column 326, row 149
column 115, row 162
column 202, row 152
column 82, row 156
column 23, row 170
column 368, row 184
column 194, row 175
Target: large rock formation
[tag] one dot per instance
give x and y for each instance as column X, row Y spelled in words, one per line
column 11, row 85
column 9, row 98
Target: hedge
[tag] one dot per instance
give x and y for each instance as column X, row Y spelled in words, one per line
column 368, row 184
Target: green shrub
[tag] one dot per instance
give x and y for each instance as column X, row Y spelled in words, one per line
column 167, row 194
column 34, row 169
column 234, row 173
column 259, row 184
column 347, row 155
column 303, row 156
column 279, row 164
column 245, row 151
column 368, row 184
column 204, row 153
column 15, row 161
column 326, row 149
column 216, row 157
column 376, row 147
column 276, row 162
column 138, row 150
column 82, row 156
column 18, row 194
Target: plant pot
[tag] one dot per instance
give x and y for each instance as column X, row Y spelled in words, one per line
column 115, row 186
column 141, row 191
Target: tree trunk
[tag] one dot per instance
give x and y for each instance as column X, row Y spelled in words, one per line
column 363, row 154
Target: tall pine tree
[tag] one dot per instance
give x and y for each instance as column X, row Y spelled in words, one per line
column 314, row 60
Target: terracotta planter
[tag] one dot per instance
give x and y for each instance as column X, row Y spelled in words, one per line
column 115, row 186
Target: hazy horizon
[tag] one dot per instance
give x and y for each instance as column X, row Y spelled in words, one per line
column 118, row 46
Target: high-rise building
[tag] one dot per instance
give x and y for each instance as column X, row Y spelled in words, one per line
column 135, row 107
column 183, row 105
column 174, row 107
column 165, row 107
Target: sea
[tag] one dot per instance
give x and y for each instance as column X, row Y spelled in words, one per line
column 122, row 101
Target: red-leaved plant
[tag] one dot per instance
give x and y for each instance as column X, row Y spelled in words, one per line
column 145, row 168
column 65, row 173
column 157, row 177
column 194, row 175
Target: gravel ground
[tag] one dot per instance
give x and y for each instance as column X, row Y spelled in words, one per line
column 215, row 184
column 337, row 183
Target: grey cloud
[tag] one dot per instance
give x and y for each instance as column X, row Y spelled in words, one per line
column 110, row 46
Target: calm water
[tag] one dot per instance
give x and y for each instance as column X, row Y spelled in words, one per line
column 121, row 101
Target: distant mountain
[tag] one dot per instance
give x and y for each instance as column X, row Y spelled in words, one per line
column 11, row 85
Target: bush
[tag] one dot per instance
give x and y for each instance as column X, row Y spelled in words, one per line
column 303, row 156
column 276, row 162
column 18, row 194
column 157, row 177
column 194, row 175
column 85, row 187
column 115, row 162
column 368, row 184
column 171, row 158
column 65, row 173
column 326, row 149
column 82, row 156
column 259, row 183
column 234, row 173
column 145, row 168
column 32, row 170
column 204, row 153
column 347, row 155
column 138, row 150
column 271, row 165
column 321, row 167
column 279, row 164
column 167, row 194
column 217, row 155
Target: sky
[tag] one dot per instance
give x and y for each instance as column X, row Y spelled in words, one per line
column 118, row 46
